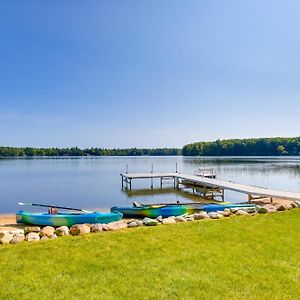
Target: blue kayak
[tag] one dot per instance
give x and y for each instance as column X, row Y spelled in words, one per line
column 67, row 219
column 167, row 210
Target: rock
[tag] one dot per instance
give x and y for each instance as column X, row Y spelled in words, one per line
column 168, row 220
column 53, row 236
column 79, row 229
column 224, row 213
column 180, row 219
column 47, row 231
column 44, row 237
column 96, row 227
column 62, row 230
column 241, row 212
column 117, row 225
column 150, row 222
column 294, row 205
column 270, row 208
column 280, row 207
column 190, row 218
column 130, row 221
column 214, row 215
column 105, row 227
column 201, row 215
column 31, row 229
column 32, row 236
column 159, row 219
column 5, row 237
column 297, row 203
column 287, row 206
column 262, row 210
column 139, row 223
column 18, row 238
column 132, row 224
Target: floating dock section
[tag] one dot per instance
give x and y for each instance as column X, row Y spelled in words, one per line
column 210, row 185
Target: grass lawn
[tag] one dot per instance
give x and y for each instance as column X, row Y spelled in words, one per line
column 254, row 257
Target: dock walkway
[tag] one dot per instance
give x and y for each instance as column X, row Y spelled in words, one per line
column 249, row 190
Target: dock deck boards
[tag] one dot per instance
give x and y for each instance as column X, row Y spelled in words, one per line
column 210, row 182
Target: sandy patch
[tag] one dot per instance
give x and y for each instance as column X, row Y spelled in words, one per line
column 275, row 201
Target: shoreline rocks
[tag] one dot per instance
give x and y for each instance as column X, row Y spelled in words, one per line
column 36, row 233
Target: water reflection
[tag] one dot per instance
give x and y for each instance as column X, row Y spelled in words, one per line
column 94, row 182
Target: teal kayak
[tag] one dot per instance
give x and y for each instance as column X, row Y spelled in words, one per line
column 167, row 210
column 67, row 219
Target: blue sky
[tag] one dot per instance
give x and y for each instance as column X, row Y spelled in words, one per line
column 147, row 73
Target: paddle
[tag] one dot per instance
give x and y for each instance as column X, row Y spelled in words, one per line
column 177, row 204
column 48, row 205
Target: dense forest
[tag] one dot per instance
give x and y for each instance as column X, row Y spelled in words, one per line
column 19, row 152
column 240, row 147
column 233, row 147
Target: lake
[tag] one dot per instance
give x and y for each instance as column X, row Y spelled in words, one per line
column 95, row 182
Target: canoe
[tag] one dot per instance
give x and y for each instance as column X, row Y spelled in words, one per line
column 167, row 210
column 67, row 219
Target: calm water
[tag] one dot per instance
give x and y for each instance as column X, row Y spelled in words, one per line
column 96, row 182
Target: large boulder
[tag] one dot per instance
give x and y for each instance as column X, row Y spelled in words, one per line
column 159, row 219
column 150, row 222
column 180, row 219
column 224, row 213
column 139, row 223
column 215, row 215
column 47, row 231
column 62, row 230
column 168, row 220
column 32, row 237
column 241, row 212
column 17, row 238
column 79, row 229
column 270, row 208
column 117, row 225
column 132, row 224
column 201, row 215
column 32, row 229
column 96, row 227
column 5, row 237
column 262, row 210
column 280, row 207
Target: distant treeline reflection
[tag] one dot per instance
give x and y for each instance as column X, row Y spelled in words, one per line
column 75, row 151
column 244, row 147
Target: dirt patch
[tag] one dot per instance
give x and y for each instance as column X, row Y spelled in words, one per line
column 7, row 219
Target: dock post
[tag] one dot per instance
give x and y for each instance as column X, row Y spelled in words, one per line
column 204, row 191
column 176, row 168
column 161, row 182
column 222, row 195
column 130, row 183
column 249, row 198
column 122, row 182
column 151, row 177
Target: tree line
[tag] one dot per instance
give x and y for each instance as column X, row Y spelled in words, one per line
column 244, row 147
column 75, row 151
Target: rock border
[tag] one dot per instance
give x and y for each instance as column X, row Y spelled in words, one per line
column 36, row 233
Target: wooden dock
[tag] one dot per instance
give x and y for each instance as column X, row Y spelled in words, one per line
column 253, row 192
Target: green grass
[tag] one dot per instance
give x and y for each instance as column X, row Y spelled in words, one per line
column 236, row 258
